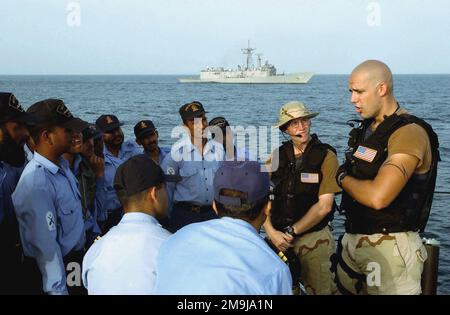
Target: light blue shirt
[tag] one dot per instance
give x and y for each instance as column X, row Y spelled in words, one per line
column 48, row 209
column 220, row 257
column 123, row 261
column 28, row 153
column 129, row 148
column 196, row 171
column 163, row 151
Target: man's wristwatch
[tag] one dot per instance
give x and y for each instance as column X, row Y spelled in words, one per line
column 340, row 177
column 290, row 230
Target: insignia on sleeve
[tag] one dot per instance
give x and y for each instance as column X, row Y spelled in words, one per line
column 50, row 221
column 170, row 171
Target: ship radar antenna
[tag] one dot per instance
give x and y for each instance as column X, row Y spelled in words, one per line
column 249, row 52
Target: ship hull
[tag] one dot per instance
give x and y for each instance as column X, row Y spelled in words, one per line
column 294, row 78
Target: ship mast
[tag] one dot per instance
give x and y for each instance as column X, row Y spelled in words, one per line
column 249, row 52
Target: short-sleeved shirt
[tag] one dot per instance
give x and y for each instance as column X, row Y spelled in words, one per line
column 196, row 171
column 48, row 208
column 329, row 168
column 411, row 139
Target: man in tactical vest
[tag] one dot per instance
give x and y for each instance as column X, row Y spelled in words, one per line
column 304, row 199
column 388, row 181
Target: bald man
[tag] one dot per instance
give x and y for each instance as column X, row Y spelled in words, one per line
column 388, row 181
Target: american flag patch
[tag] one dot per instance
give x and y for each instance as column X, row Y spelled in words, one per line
column 365, row 154
column 310, row 178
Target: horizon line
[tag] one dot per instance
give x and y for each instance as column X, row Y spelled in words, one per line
column 178, row 74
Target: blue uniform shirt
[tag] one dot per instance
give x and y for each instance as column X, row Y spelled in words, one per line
column 123, row 261
column 128, row 149
column 220, row 257
column 196, row 171
column 2, row 179
column 163, row 151
column 48, row 208
column 9, row 176
column 28, row 153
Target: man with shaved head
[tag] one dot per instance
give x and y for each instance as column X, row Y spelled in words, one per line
column 388, row 181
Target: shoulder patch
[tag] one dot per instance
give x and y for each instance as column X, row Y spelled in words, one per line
column 170, row 171
column 50, row 221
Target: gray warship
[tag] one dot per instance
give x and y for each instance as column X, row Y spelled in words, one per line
column 262, row 73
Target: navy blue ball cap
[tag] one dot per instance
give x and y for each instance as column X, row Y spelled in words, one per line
column 192, row 110
column 54, row 112
column 144, row 128
column 137, row 174
column 107, row 123
column 10, row 109
column 243, row 176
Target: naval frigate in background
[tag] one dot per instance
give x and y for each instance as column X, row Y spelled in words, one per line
column 262, row 73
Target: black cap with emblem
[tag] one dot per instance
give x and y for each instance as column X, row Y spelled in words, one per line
column 107, row 123
column 10, row 109
column 192, row 110
column 54, row 112
column 144, row 128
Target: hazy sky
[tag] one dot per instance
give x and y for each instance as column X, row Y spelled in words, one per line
column 184, row 36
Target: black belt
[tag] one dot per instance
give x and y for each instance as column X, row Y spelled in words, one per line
column 193, row 207
column 369, row 230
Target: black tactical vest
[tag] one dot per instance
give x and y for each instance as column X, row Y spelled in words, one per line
column 410, row 210
column 297, row 186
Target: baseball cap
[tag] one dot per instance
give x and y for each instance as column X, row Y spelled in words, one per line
column 137, row 174
column 54, row 112
column 10, row 109
column 143, row 128
column 192, row 110
column 107, row 123
column 243, row 176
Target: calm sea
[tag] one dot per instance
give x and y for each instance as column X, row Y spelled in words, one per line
column 158, row 98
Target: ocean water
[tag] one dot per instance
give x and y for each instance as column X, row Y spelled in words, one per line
column 158, row 98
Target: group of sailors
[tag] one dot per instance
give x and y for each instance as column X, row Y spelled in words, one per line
column 138, row 218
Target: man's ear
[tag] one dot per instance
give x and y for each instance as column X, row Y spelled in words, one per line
column 151, row 193
column 382, row 89
column 46, row 137
column 215, row 207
